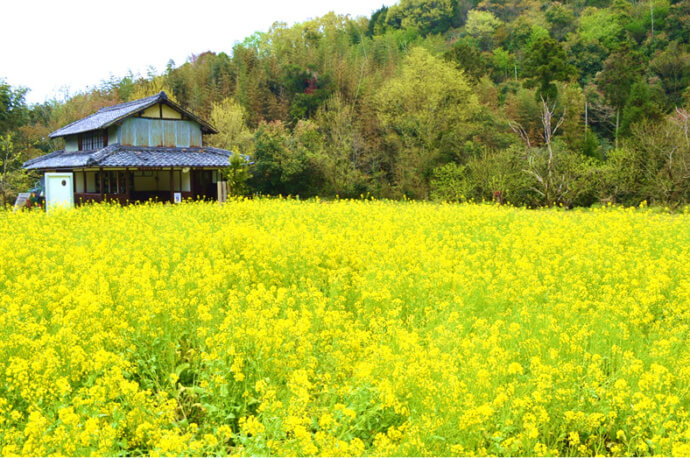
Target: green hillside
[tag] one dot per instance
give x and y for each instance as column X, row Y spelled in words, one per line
column 434, row 99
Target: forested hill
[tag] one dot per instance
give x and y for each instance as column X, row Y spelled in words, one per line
column 443, row 99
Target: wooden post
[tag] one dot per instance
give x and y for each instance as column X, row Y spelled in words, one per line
column 172, row 186
column 74, row 186
column 191, row 182
column 100, row 176
column 128, row 185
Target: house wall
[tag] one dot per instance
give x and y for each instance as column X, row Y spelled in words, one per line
column 163, row 180
column 71, row 143
column 186, row 181
column 160, row 181
column 79, row 181
column 143, row 183
column 113, row 132
column 147, row 132
column 91, row 185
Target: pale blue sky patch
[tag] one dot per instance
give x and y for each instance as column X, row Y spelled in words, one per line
column 57, row 45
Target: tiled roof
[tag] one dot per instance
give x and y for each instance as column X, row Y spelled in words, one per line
column 126, row 156
column 108, row 116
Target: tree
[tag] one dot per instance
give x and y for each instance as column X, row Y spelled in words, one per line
column 12, row 176
column 277, row 168
column 423, row 111
column 148, row 87
column 673, row 67
column 639, row 107
column 621, row 70
column 504, row 64
column 13, row 115
column 468, row 58
column 425, row 16
column 284, row 162
column 653, row 164
column 13, row 109
column 340, row 159
column 562, row 177
column 561, row 19
column 601, row 25
column 377, row 22
column 482, row 25
column 547, row 62
column 237, row 175
column 587, row 57
column 229, row 118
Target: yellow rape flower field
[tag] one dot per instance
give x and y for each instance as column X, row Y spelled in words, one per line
column 280, row 327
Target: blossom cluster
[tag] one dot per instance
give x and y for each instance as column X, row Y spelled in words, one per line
column 344, row 328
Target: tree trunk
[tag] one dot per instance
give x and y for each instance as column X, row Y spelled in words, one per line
column 618, row 116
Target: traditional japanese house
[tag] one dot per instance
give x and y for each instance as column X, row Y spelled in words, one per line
column 145, row 149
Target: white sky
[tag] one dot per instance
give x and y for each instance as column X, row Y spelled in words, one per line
column 48, row 46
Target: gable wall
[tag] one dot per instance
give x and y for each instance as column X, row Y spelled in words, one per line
column 156, row 110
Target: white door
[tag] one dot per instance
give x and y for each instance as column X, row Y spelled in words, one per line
column 59, row 190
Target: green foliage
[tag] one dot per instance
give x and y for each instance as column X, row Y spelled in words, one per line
column 377, row 22
column 499, row 175
column 340, row 156
column 229, row 118
column 12, row 177
column 283, row 163
column 653, row 165
column 672, row 66
column 423, row 110
column 482, row 25
column 639, row 107
column 277, row 168
column 600, row 25
column 237, row 175
column 13, row 110
column 468, row 58
column 562, row 177
column 561, row 20
column 450, row 183
column 425, row 16
column 546, row 63
column 504, row 64
column 621, row 70
column 347, row 106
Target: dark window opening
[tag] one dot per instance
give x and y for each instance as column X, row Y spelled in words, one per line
column 94, row 140
column 114, row 182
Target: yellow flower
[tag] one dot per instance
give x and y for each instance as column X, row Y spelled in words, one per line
column 515, row 368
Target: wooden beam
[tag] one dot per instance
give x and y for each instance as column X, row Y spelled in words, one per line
column 191, row 182
column 172, row 186
column 128, row 185
column 100, row 176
